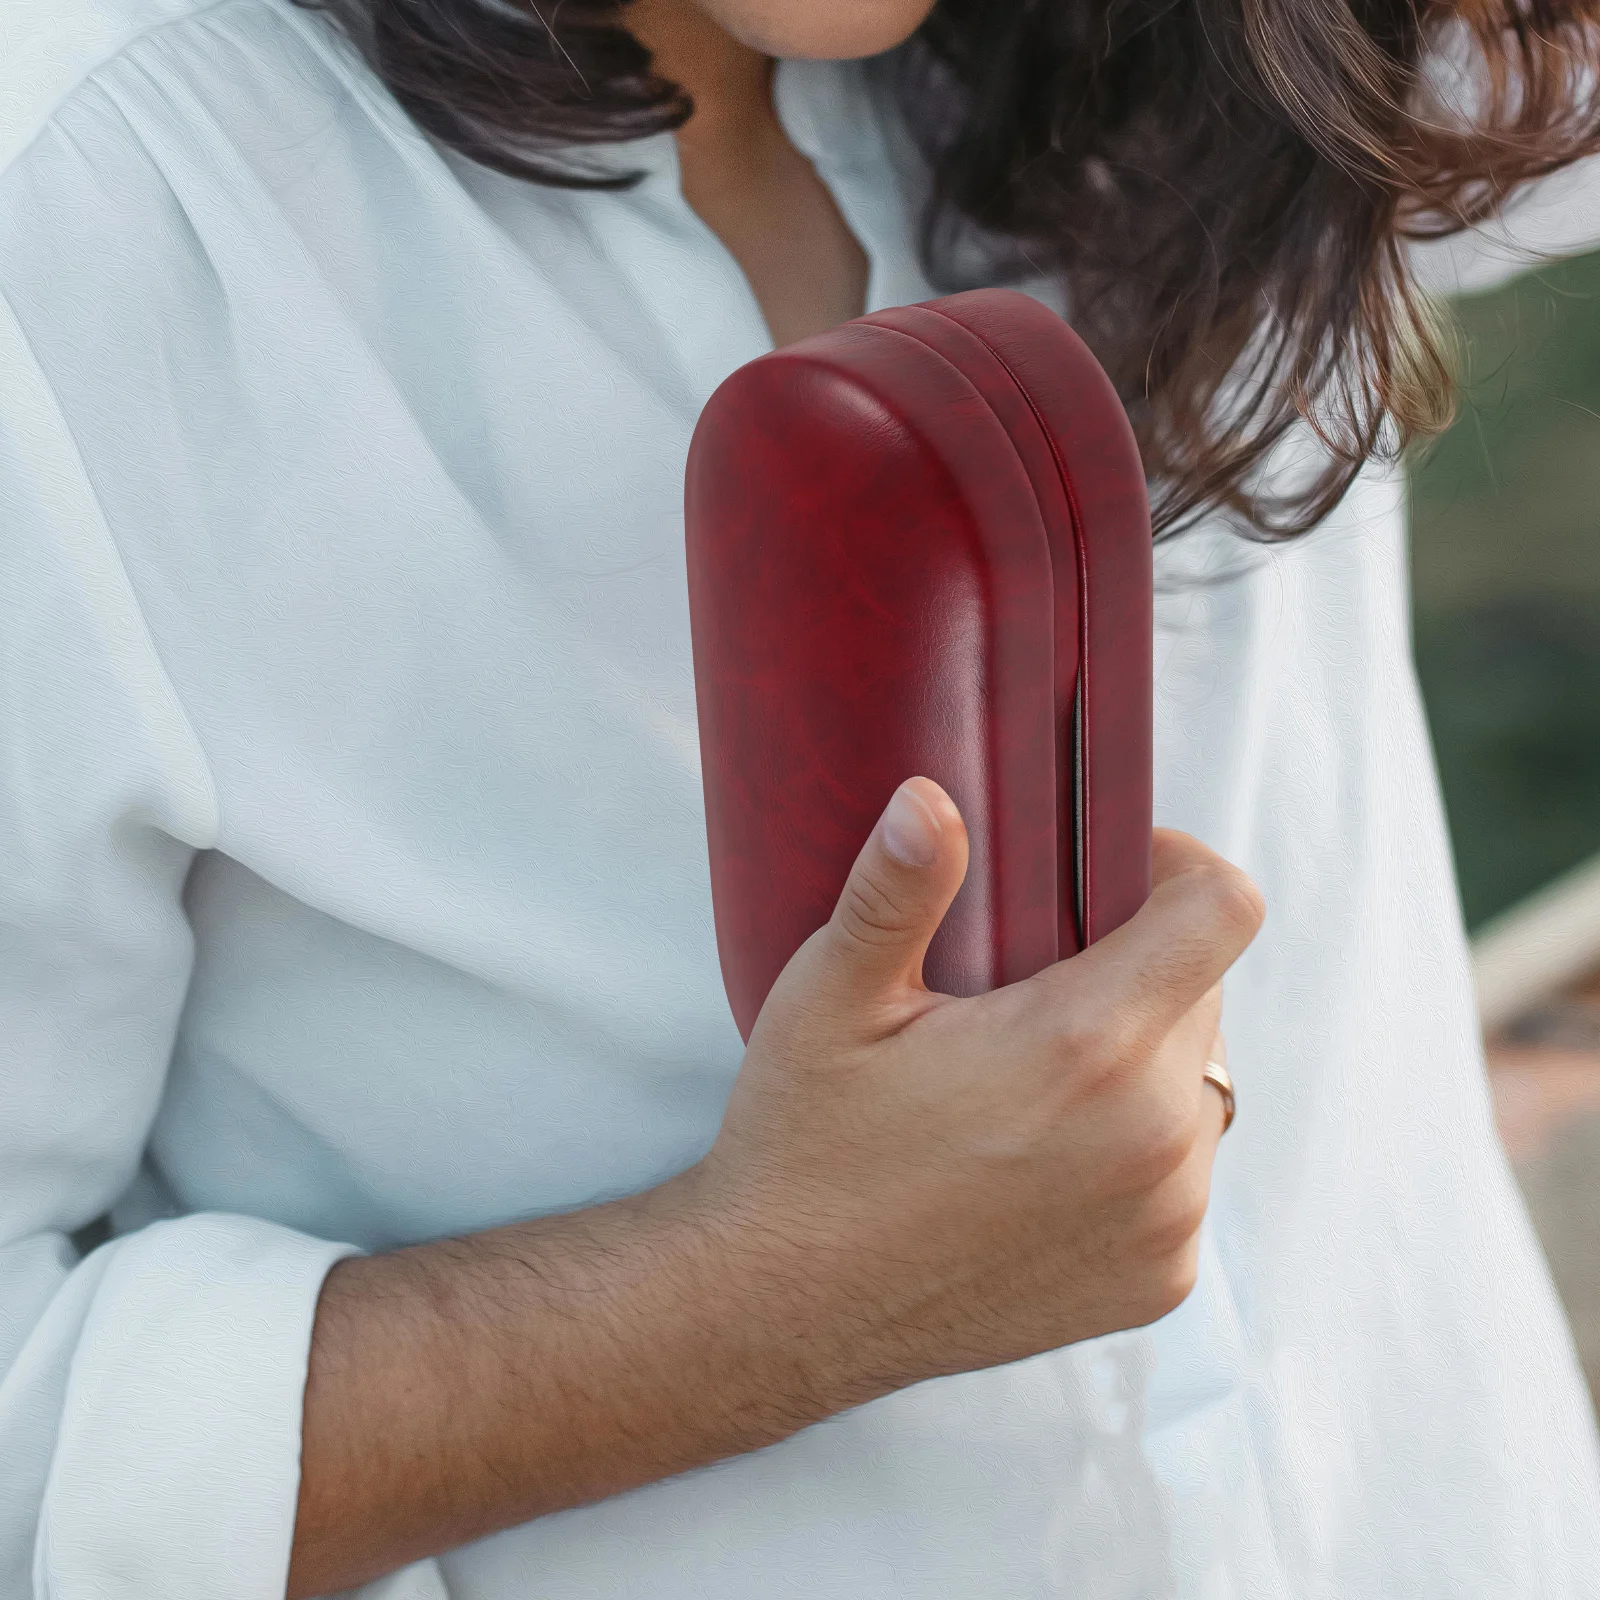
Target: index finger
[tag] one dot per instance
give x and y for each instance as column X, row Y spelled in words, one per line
column 1200, row 918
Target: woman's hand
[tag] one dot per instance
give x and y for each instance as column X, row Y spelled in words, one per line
column 955, row 1183
column 904, row 1185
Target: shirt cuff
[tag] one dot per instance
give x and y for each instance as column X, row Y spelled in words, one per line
column 177, row 1463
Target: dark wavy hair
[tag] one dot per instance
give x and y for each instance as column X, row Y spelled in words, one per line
column 1226, row 188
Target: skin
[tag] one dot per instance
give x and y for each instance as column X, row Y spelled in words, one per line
column 905, row 1184
column 750, row 186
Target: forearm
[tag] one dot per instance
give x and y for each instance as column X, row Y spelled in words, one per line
column 904, row 1185
column 462, row 1387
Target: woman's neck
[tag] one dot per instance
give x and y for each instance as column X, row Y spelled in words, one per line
column 730, row 83
column 749, row 185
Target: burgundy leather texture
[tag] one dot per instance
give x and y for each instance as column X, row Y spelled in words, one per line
column 920, row 543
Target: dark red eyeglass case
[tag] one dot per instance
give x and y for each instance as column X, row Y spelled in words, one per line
column 920, row 543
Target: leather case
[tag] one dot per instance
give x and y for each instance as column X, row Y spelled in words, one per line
column 920, row 543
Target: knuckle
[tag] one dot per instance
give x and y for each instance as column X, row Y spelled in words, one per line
column 1177, row 1282
column 1163, row 1145
column 1102, row 1039
column 1167, row 1284
column 1158, row 1134
column 870, row 911
column 1176, row 1213
column 1233, row 898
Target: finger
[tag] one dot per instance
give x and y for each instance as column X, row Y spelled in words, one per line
column 1171, row 1085
column 1214, row 1108
column 897, row 893
column 1191, row 1182
column 1177, row 1068
column 1195, row 1174
column 1153, row 970
column 1172, row 851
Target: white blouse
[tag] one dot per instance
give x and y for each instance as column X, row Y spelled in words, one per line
column 353, row 891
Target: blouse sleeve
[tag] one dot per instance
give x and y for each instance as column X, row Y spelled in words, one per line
column 150, row 1393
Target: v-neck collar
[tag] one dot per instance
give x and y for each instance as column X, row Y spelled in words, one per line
column 831, row 114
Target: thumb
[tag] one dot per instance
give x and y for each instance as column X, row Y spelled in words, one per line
column 897, row 893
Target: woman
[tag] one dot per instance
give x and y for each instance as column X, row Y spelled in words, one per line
column 354, row 884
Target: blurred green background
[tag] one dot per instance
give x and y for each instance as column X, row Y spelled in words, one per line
column 1506, row 568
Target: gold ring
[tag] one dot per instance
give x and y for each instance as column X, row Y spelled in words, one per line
column 1216, row 1073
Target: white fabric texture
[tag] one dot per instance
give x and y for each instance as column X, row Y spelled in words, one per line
column 353, row 891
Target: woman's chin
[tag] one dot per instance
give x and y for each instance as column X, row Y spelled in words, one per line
column 822, row 30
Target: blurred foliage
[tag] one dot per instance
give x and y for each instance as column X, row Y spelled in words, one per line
column 1506, row 567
